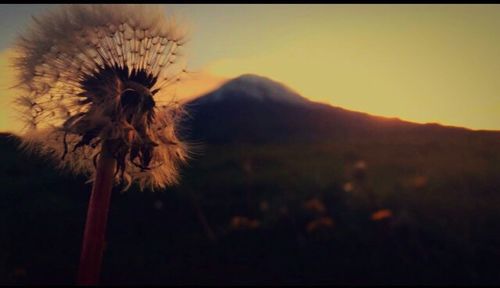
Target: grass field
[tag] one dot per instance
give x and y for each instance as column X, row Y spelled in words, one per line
column 408, row 210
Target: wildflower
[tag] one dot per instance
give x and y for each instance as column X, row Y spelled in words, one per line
column 348, row 187
column 360, row 165
column 315, row 205
column 419, row 181
column 240, row 222
column 381, row 214
column 323, row 222
column 100, row 75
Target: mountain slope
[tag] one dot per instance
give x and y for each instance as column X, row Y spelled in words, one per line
column 255, row 109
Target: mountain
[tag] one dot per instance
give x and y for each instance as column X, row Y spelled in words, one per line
column 256, row 88
column 255, row 109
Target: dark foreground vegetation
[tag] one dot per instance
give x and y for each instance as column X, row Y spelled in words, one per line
column 368, row 211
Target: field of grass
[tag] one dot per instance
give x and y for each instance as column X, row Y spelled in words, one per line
column 367, row 211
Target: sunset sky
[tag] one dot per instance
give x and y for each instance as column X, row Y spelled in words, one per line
column 422, row 63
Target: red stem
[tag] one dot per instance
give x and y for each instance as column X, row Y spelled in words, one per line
column 95, row 226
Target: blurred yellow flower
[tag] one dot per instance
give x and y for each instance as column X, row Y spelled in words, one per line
column 315, row 205
column 240, row 222
column 381, row 214
column 360, row 165
column 348, row 187
column 420, row 181
column 323, row 222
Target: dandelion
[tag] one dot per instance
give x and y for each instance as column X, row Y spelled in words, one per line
column 95, row 83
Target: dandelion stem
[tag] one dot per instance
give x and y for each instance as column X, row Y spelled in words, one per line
column 95, row 226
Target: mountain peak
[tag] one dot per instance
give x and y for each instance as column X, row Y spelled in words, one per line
column 256, row 88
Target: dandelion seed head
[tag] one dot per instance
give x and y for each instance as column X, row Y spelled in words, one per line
column 94, row 74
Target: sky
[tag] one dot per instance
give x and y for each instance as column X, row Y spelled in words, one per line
column 422, row 63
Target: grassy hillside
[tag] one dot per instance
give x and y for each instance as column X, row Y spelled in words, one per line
column 411, row 209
